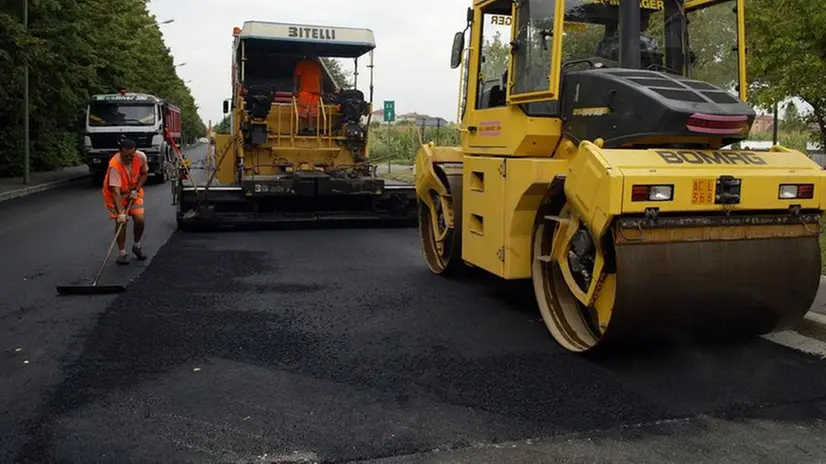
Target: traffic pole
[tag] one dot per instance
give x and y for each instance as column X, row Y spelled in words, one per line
column 26, row 160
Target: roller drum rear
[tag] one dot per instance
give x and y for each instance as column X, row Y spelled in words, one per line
column 719, row 288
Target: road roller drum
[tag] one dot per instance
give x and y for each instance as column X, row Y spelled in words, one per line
column 712, row 281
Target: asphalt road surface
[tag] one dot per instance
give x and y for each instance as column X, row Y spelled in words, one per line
column 339, row 345
column 58, row 237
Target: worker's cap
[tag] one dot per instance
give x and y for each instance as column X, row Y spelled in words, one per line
column 127, row 144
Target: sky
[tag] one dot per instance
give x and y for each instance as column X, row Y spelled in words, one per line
column 412, row 55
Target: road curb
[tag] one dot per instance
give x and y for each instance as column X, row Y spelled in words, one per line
column 5, row 196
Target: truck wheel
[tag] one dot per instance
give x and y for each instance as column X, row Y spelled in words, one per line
column 160, row 173
column 168, row 168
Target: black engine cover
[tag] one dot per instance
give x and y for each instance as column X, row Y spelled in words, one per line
column 353, row 106
column 259, row 101
column 643, row 108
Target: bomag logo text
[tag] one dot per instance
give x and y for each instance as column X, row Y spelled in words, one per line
column 714, row 157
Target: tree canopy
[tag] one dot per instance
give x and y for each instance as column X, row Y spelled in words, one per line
column 792, row 120
column 223, row 127
column 68, row 64
column 496, row 52
column 343, row 77
column 787, row 58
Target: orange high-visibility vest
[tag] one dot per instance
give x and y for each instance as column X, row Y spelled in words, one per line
column 128, row 180
column 309, row 74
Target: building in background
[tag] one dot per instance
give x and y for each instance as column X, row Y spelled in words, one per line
column 419, row 119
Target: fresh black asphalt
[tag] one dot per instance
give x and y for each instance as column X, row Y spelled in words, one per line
column 326, row 345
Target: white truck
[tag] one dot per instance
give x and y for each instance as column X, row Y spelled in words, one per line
column 144, row 118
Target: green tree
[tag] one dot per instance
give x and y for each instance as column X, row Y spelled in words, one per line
column 786, row 42
column 712, row 34
column 581, row 42
column 792, row 120
column 497, row 54
column 68, row 64
column 224, row 127
column 342, row 77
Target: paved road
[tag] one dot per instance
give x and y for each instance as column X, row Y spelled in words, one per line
column 340, row 346
column 58, row 237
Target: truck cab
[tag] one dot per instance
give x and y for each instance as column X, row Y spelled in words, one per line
column 143, row 118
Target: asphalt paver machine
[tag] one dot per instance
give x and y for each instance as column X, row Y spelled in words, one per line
column 270, row 169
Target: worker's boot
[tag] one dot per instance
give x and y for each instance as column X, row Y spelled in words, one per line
column 139, row 253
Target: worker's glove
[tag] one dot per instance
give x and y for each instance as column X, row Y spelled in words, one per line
column 121, row 218
column 133, row 194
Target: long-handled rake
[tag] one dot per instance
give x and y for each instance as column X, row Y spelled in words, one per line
column 94, row 288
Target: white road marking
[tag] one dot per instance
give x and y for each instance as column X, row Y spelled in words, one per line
column 817, row 318
column 799, row 342
column 796, row 341
column 295, row 456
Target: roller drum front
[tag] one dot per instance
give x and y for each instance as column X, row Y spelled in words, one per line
column 721, row 288
column 718, row 281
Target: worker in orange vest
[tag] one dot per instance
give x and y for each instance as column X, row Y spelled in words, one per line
column 308, row 86
column 128, row 171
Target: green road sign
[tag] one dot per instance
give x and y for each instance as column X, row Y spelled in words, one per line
column 389, row 111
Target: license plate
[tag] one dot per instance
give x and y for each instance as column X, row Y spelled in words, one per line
column 702, row 192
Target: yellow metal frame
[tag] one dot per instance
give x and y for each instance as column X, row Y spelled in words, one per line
column 556, row 60
column 489, row 131
column 463, row 83
column 691, row 5
column 286, row 150
column 742, row 47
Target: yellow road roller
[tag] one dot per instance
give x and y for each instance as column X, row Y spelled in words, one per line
column 599, row 158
